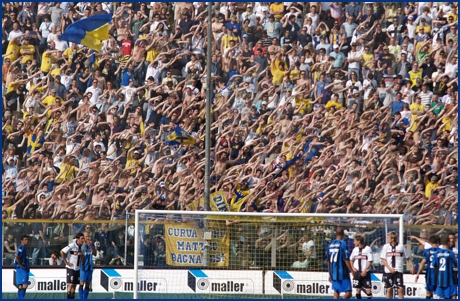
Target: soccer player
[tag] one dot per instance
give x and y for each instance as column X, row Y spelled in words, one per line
column 22, row 266
column 86, row 267
column 430, row 276
column 361, row 256
column 72, row 259
column 445, row 262
column 339, row 266
column 393, row 256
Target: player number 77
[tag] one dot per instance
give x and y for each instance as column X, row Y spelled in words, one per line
column 334, row 253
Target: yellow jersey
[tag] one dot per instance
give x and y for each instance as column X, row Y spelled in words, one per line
column 416, row 107
column 307, row 206
column 277, row 76
column 69, row 52
column 68, row 174
column 47, row 60
column 152, row 54
column 226, row 41
column 49, row 100
column 277, row 7
column 27, row 57
column 55, row 72
column 11, row 87
column 427, row 28
column 429, row 187
column 294, row 75
column 367, row 57
column 303, row 104
column 413, row 76
column 332, row 103
column 275, row 64
column 14, row 48
column 130, row 162
column 453, row 16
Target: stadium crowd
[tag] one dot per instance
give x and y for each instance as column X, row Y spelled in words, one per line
column 320, row 107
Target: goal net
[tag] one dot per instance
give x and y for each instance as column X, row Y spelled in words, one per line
column 245, row 255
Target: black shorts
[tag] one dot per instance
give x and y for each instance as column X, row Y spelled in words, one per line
column 73, row 277
column 391, row 280
column 363, row 282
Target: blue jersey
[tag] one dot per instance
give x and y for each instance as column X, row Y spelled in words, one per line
column 429, row 255
column 22, row 253
column 444, row 262
column 337, row 255
column 87, row 263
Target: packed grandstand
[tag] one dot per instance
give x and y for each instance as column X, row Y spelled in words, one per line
column 319, row 107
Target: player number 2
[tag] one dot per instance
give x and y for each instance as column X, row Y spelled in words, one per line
column 442, row 264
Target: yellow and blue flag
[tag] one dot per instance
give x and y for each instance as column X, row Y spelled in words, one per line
column 89, row 32
column 217, row 202
column 236, row 206
column 179, row 136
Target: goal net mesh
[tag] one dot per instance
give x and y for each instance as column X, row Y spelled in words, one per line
column 253, row 256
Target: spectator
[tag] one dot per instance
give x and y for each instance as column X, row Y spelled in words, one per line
column 301, row 263
column 10, row 247
column 55, row 259
column 302, row 96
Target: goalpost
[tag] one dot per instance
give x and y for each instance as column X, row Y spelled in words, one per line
column 246, row 255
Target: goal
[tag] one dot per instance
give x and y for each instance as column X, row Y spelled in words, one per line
column 193, row 254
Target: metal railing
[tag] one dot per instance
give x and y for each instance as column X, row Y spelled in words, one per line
column 116, row 240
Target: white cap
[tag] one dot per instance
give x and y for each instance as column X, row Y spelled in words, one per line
column 162, row 184
column 39, row 196
column 335, row 46
column 136, row 152
column 264, row 102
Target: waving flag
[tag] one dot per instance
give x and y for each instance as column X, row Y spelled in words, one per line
column 236, row 206
column 288, row 164
column 180, row 136
column 89, row 32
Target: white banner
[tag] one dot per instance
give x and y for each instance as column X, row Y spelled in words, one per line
column 202, row 281
column 150, row 281
column 310, row 283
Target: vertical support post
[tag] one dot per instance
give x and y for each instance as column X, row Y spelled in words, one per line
column 3, row 239
column 273, row 253
column 136, row 255
column 207, row 152
column 207, row 171
column 126, row 237
column 386, row 228
column 401, row 229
